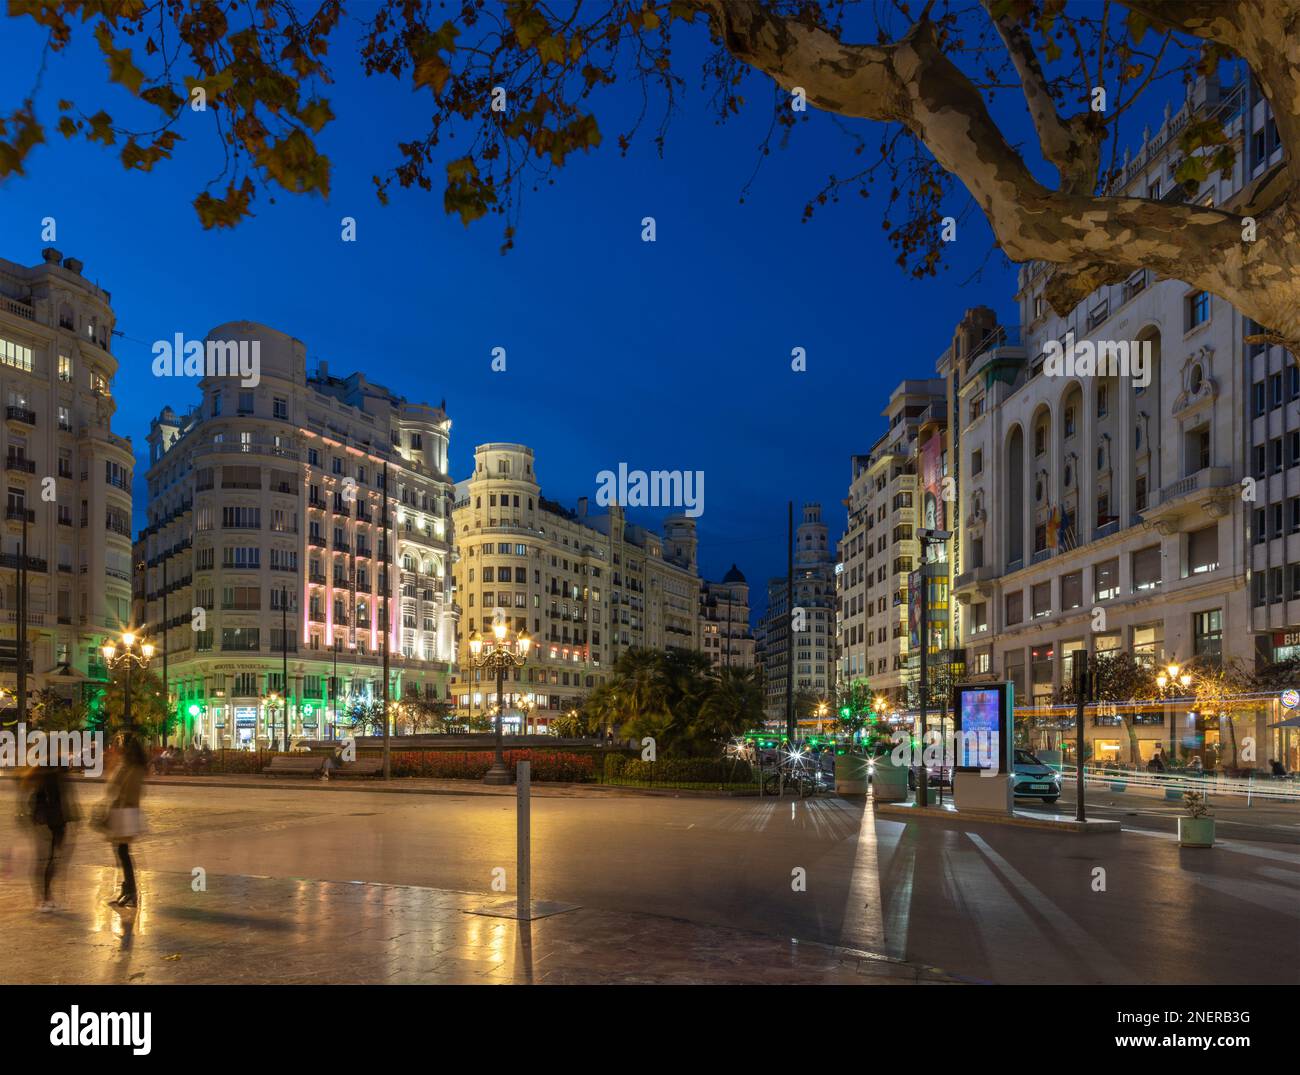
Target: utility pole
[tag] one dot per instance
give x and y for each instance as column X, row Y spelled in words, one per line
column 922, row 775
column 284, row 658
column 789, row 624
column 167, row 697
column 1081, row 692
column 22, row 625
column 390, row 563
column 727, row 657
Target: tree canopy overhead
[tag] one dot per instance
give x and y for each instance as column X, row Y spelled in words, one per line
column 514, row 89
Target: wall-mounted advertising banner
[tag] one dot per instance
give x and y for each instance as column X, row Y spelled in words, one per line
column 932, row 484
column 983, row 727
column 914, row 610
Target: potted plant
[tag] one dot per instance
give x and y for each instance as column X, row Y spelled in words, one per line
column 1196, row 827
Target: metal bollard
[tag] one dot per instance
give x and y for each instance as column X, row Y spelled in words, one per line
column 523, row 840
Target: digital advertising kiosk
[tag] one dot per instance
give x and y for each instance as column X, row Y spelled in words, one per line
column 983, row 728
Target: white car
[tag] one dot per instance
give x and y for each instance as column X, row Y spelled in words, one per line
column 1034, row 779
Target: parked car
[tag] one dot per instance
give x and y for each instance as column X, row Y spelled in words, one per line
column 1034, row 779
column 934, row 776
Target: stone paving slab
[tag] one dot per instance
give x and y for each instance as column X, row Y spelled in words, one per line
column 245, row 930
column 1021, row 818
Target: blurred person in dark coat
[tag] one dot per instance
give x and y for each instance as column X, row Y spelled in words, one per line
column 51, row 808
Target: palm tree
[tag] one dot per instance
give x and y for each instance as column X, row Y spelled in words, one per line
column 733, row 703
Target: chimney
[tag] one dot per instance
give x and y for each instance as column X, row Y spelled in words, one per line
column 74, row 265
column 51, row 256
column 582, row 507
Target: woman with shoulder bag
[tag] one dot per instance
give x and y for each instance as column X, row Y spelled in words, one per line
column 123, row 822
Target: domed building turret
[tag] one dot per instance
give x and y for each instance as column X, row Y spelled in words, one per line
column 725, row 635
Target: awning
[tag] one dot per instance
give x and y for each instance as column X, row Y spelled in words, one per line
column 1290, row 722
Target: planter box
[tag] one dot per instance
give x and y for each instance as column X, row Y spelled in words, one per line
column 889, row 781
column 851, row 776
column 1196, row 831
column 1175, row 794
column 1118, row 785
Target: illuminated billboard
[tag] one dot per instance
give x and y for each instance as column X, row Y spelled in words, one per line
column 983, row 727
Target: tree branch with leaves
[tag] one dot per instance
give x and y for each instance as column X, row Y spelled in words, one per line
column 518, row 88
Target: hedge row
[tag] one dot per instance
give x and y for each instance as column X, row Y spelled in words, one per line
column 621, row 768
column 552, row 766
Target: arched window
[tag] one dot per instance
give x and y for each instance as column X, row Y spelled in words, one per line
column 1015, row 508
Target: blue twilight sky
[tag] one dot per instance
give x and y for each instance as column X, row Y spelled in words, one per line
column 674, row 354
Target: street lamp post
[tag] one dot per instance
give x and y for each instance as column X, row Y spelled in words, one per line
column 129, row 650
column 273, row 701
column 1170, row 675
column 501, row 656
column 1082, row 688
column 334, row 691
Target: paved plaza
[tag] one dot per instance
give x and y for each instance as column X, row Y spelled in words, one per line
column 360, row 885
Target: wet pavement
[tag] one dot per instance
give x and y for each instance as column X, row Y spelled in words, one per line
column 667, row 889
column 279, row 931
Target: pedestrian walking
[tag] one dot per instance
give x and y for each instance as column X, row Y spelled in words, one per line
column 122, row 820
column 51, row 807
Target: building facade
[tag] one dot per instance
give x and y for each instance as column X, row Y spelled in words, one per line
column 725, row 635
column 67, row 475
column 267, row 546
column 1102, row 506
column 813, row 623
column 879, row 551
column 587, row 588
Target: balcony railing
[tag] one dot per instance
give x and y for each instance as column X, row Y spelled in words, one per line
column 246, row 448
column 13, row 560
column 20, row 308
column 21, row 414
column 21, row 463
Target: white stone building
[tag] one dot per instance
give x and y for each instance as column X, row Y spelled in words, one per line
column 1102, row 509
column 56, row 374
column 272, row 494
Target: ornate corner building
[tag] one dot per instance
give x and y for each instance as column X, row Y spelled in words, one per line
column 67, row 477
column 268, row 545
column 586, row 587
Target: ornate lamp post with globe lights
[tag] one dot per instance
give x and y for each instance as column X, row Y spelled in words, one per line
column 127, row 651
column 505, row 653
column 1169, row 677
